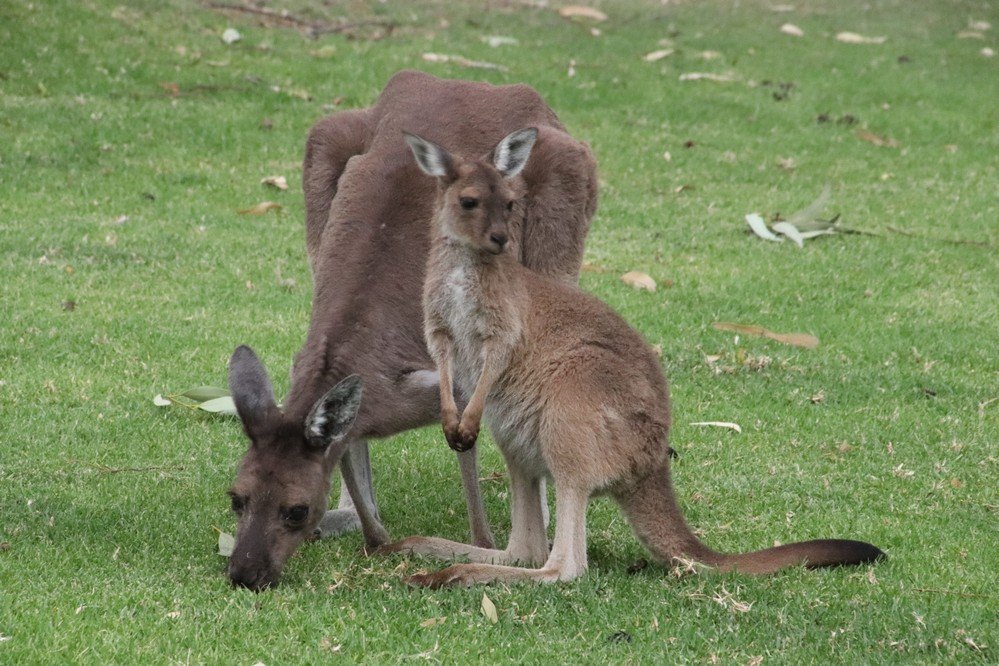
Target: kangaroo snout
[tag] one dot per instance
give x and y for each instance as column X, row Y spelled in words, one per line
column 497, row 241
column 252, row 577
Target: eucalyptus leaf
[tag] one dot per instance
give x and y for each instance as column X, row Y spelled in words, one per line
column 811, row 212
column 759, row 228
column 223, row 405
column 790, row 231
column 203, row 393
column 227, row 543
column 160, row 401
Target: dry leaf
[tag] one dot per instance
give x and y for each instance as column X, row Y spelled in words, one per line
column 707, row 76
column 260, row 209
column 658, row 55
column 495, row 41
column 782, row 9
column 790, row 231
column 579, row 11
column 871, row 137
column 489, row 609
column 231, row 36
column 797, row 339
column 461, row 61
column 759, row 228
column 986, row 52
column 639, row 280
column 970, row 34
column 275, row 181
column 792, row 29
column 227, row 543
column 854, row 38
column 590, row 267
column 432, row 622
column 787, row 163
column 719, row 424
column 980, row 25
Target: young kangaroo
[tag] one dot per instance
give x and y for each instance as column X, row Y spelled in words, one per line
column 569, row 390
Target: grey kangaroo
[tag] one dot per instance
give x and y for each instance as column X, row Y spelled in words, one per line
column 367, row 233
column 570, row 391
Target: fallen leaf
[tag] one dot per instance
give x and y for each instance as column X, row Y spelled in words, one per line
column 790, row 231
column 818, row 398
column 854, row 38
column 787, row 163
column 327, row 51
column 579, row 11
column 658, row 55
column 171, row 88
column 986, row 52
column 719, row 424
column 495, row 41
column 223, row 405
column 970, row 34
column 227, row 543
column 782, row 9
column 173, row 615
column 759, row 228
column 489, row 609
column 792, row 29
column 462, row 61
column 432, row 622
column 797, row 339
column 707, row 76
column 275, row 181
column 231, row 36
column 160, row 401
column 260, row 209
column 980, row 25
column 806, row 219
column 639, row 280
column 709, row 55
column 871, row 137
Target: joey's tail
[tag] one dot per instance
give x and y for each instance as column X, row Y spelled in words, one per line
column 651, row 508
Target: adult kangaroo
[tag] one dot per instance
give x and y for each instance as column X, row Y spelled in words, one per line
column 569, row 389
column 368, row 211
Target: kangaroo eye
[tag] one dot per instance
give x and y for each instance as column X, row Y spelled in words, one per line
column 468, row 203
column 509, row 205
column 238, row 503
column 296, row 515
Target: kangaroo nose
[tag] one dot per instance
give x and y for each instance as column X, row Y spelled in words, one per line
column 499, row 238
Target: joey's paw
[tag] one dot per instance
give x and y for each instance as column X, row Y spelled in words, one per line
column 468, row 433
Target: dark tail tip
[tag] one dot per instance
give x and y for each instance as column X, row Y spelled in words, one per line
column 840, row 552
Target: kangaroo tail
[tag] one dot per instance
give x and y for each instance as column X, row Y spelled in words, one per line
column 657, row 521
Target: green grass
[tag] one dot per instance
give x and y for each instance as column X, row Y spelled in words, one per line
column 120, row 197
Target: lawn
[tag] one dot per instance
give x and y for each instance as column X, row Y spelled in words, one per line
column 132, row 133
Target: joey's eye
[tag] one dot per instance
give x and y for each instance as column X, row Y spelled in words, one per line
column 468, row 203
column 509, row 205
column 238, row 503
column 296, row 515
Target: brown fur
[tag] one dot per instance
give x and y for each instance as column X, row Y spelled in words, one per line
column 367, row 234
column 570, row 391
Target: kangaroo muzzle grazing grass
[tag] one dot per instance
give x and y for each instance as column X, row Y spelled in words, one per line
column 279, row 505
column 570, row 391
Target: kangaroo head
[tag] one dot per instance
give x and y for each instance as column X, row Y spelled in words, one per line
column 477, row 195
column 283, row 482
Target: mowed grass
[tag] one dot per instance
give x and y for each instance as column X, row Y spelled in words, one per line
column 131, row 134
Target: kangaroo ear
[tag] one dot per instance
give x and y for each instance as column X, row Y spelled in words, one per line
column 251, row 390
column 333, row 415
column 432, row 159
column 510, row 155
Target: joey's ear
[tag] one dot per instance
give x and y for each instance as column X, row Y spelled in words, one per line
column 251, row 390
column 510, row 155
column 432, row 159
column 333, row 415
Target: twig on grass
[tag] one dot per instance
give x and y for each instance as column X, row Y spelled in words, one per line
column 312, row 29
